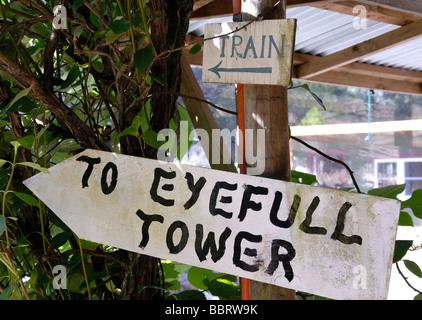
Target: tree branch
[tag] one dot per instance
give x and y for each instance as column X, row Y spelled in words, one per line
column 73, row 123
column 405, row 279
column 332, row 159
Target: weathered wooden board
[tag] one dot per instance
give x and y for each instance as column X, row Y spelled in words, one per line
column 260, row 53
column 328, row 242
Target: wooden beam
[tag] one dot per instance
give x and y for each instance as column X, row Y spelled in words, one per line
column 388, row 11
column 364, row 69
column 372, row 82
column 301, row 3
column 200, row 113
column 367, row 76
column 381, row 72
column 362, row 50
column 200, row 3
column 375, row 13
column 407, row 6
column 213, row 9
column 207, row 9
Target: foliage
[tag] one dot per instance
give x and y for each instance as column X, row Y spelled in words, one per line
column 199, row 281
column 108, row 81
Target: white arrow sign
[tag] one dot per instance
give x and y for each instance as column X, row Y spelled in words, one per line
column 260, row 52
column 328, row 242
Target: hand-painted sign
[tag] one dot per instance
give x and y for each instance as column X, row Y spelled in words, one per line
column 257, row 53
column 328, row 242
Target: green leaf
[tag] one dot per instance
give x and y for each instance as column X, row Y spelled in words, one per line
column 98, row 66
column 151, row 138
column 414, row 203
column 172, row 272
column 24, row 104
column 184, row 116
column 418, row 297
column 71, row 77
column 201, row 278
column 158, row 78
column 16, row 146
column 197, row 277
column 27, row 198
column 143, row 58
column 191, row 295
column 133, row 131
column 119, row 26
column 413, row 267
column 401, row 248
column 143, row 114
column 304, row 178
column 111, row 37
column 134, row 127
column 77, row 4
column 60, row 239
column 94, row 19
column 224, row 289
column 7, row 292
column 20, row 94
column 75, row 282
column 2, row 225
column 27, row 141
column 74, row 261
column 34, row 166
column 405, row 220
column 67, row 145
column 195, row 49
column 390, row 192
column 3, row 162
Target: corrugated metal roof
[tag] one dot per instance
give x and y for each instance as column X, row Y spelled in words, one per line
column 405, row 56
column 323, row 32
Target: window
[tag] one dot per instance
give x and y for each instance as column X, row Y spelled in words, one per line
column 399, row 171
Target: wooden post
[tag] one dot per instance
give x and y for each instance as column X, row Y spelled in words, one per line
column 266, row 108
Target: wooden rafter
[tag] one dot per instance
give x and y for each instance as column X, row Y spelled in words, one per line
column 200, row 3
column 364, row 69
column 206, row 9
column 300, row 3
column 361, row 50
column 407, row 6
column 377, row 82
column 342, row 68
column 200, row 112
column 375, row 13
column 213, row 9
column 399, row 12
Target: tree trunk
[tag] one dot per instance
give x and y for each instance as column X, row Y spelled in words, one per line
column 173, row 22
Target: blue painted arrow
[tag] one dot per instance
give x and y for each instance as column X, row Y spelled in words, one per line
column 217, row 70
